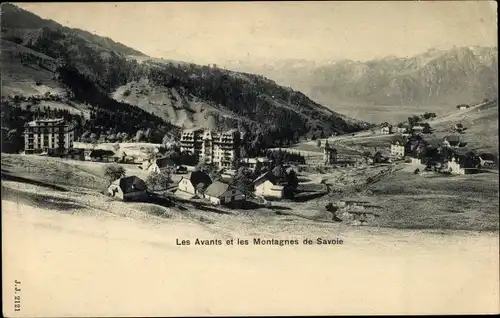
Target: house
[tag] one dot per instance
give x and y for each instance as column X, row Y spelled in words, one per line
column 129, row 188
column 222, row 193
column 418, row 128
column 403, row 129
column 267, row 185
column 158, row 164
column 386, row 129
column 459, row 128
column 463, row 162
column 253, row 163
column 102, row 155
column 194, row 183
column 329, row 154
column 378, row 158
column 415, row 161
column 397, row 149
column 487, row 160
column 451, row 141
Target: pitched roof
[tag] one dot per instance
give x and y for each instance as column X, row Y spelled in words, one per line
column 217, row 189
column 164, row 162
column 197, row 177
column 432, row 141
column 267, row 176
column 487, row 156
column 452, row 139
column 131, row 184
column 101, row 152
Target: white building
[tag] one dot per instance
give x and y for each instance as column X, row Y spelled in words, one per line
column 220, row 149
column 402, row 130
column 386, row 130
column 397, row 149
column 194, row 183
column 222, row 193
column 267, row 186
column 44, row 135
column 158, row 164
column 454, row 167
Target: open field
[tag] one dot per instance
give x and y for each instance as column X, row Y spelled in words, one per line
column 68, row 221
column 422, row 272
column 379, row 113
column 406, row 200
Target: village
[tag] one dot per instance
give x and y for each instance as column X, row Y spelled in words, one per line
column 206, row 168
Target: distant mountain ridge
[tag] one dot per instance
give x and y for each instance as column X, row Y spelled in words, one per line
column 436, row 77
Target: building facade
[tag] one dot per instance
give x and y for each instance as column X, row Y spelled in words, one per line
column 268, row 186
column 46, row 135
column 397, row 150
column 220, row 149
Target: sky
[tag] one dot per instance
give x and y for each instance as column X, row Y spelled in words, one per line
column 218, row 32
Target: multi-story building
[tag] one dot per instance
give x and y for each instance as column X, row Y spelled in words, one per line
column 48, row 135
column 220, row 149
column 398, row 149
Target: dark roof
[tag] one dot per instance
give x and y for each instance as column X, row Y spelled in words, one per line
column 101, row 152
column 197, row 177
column 75, row 151
column 452, row 139
column 269, row 176
column 165, row 162
column 216, row 189
column 432, row 141
column 488, row 156
column 131, row 184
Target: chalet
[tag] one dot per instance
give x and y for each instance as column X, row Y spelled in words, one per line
column 378, row 158
column 158, row 164
column 129, row 188
column 463, row 162
column 403, row 129
column 386, row 129
column 194, row 183
column 102, row 155
column 459, row 128
column 397, row 149
column 267, row 185
column 487, row 160
column 418, row 128
column 222, row 193
column 451, row 141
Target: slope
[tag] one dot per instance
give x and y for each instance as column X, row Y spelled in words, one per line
column 92, row 71
column 480, row 121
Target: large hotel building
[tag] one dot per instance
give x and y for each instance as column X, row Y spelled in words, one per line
column 220, row 149
column 45, row 135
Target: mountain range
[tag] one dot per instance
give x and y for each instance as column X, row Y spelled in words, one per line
column 436, row 77
column 90, row 75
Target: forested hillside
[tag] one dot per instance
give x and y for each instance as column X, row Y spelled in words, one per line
column 97, row 75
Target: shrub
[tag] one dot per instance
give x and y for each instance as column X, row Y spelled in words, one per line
column 113, row 172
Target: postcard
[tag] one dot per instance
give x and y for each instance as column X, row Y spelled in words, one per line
column 249, row 158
